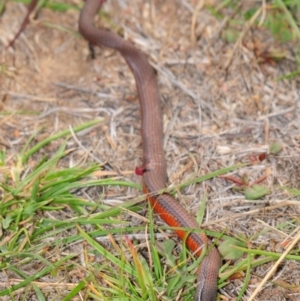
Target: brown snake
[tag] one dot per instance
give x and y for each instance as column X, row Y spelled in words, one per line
column 154, row 165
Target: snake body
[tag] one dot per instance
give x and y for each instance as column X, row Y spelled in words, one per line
column 154, row 165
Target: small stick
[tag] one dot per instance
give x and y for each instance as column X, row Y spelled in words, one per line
column 30, row 8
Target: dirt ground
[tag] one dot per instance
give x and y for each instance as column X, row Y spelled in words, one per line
column 221, row 105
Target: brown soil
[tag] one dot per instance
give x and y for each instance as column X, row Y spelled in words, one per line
column 221, row 105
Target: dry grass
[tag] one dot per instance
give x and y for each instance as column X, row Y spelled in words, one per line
column 222, row 104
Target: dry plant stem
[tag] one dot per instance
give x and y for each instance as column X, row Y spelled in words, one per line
column 154, row 166
column 242, row 35
column 24, row 23
column 88, row 152
column 264, row 13
column 194, row 20
column 253, row 212
column 40, row 284
column 274, row 268
column 29, row 97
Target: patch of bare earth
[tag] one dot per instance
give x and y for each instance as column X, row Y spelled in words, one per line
column 221, row 106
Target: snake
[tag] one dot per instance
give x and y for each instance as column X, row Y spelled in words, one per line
column 154, row 169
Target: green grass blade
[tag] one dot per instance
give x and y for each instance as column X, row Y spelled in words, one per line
column 61, row 134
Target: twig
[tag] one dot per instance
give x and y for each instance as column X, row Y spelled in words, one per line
column 274, row 268
column 30, row 8
column 242, row 35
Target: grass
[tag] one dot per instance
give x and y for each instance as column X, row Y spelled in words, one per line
column 55, row 242
column 43, row 218
column 280, row 17
column 33, row 232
